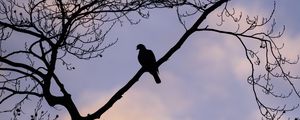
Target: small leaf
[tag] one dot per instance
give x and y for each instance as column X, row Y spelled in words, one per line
column 263, row 44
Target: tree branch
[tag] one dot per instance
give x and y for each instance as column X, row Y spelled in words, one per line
column 14, row 27
column 21, row 65
column 21, row 92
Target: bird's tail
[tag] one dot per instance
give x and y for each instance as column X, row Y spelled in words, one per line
column 156, row 77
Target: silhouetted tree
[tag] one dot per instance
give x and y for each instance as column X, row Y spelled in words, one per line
column 79, row 28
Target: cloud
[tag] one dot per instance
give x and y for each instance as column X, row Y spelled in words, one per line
column 223, row 55
column 145, row 100
column 212, row 53
column 138, row 105
column 133, row 106
column 217, row 52
column 291, row 47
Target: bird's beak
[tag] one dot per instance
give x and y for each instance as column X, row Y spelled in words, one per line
column 137, row 48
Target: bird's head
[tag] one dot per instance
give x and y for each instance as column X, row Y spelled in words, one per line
column 140, row 47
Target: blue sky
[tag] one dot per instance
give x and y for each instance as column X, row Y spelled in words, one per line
column 205, row 79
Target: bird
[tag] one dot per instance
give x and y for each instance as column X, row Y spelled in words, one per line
column 148, row 61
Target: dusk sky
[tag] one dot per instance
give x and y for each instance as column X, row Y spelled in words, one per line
column 205, row 80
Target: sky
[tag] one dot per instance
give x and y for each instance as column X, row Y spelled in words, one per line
column 205, row 79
